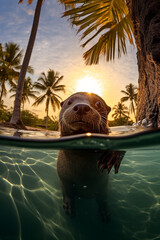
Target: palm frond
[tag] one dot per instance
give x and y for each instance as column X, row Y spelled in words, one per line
column 13, row 95
column 59, row 88
column 55, row 102
column 125, row 92
column 57, row 96
column 124, row 99
column 67, row 4
column 108, row 18
column 30, row 70
column 42, row 78
column 39, row 86
column 28, row 1
column 57, row 80
column 32, row 94
column 39, row 100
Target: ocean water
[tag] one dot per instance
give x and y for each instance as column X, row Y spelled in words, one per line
column 31, row 197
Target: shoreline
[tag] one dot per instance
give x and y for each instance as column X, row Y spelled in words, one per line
column 28, row 128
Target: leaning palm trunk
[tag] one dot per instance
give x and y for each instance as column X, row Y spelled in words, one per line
column 145, row 17
column 16, row 116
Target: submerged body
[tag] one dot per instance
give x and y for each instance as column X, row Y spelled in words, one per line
column 78, row 169
column 80, row 177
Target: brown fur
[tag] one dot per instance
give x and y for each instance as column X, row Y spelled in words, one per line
column 77, row 169
column 94, row 120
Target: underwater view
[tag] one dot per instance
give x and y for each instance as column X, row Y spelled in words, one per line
column 31, row 196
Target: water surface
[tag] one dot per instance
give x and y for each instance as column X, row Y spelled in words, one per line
column 31, row 197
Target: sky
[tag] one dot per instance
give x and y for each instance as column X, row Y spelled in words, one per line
column 58, row 47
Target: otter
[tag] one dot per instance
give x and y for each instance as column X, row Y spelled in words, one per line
column 78, row 170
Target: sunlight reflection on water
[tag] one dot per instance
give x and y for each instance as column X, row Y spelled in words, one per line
column 31, row 199
column 114, row 131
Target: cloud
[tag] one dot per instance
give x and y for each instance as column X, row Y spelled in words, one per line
column 30, row 12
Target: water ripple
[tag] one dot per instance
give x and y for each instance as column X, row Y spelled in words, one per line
column 31, row 199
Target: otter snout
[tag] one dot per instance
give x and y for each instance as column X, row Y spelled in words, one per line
column 81, row 109
column 83, row 112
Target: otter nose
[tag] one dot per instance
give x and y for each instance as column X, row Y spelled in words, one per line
column 81, row 109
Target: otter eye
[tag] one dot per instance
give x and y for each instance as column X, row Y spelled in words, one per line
column 62, row 103
column 98, row 104
column 70, row 102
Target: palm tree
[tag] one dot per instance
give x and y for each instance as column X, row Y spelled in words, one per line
column 110, row 20
column 91, row 16
column 130, row 95
column 49, row 86
column 28, row 91
column 16, row 117
column 2, row 65
column 120, row 110
column 10, row 64
column 145, row 18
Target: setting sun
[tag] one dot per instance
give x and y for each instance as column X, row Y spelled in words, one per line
column 89, row 84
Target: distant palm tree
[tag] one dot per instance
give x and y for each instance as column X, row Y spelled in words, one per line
column 10, row 59
column 120, row 110
column 28, row 91
column 9, row 65
column 49, row 86
column 130, row 95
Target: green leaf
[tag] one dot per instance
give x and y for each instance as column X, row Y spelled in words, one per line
column 107, row 19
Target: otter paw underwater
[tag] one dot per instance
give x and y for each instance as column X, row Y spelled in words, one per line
column 81, row 171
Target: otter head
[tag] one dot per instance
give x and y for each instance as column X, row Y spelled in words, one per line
column 83, row 112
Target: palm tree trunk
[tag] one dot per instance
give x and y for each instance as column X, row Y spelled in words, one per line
column 47, row 119
column 145, row 18
column 2, row 90
column 16, row 116
column 133, row 108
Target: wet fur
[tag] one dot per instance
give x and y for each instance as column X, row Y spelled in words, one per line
column 77, row 169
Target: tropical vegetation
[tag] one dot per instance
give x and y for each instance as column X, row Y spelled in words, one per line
column 120, row 110
column 10, row 64
column 122, row 115
column 107, row 23
column 131, row 96
column 110, row 24
column 28, row 91
column 10, row 59
column 109, row 16
column 16, row 115
column 29, row 119
column 111, row 21
column 48, row 85
column 121, row 121
column 5, row 114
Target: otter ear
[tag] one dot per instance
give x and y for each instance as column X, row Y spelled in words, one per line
column 61, row 103
column 108, row 109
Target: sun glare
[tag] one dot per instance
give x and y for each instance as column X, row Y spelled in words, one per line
column 89, row 84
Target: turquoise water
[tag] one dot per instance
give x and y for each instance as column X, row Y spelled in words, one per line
column 31, row 197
